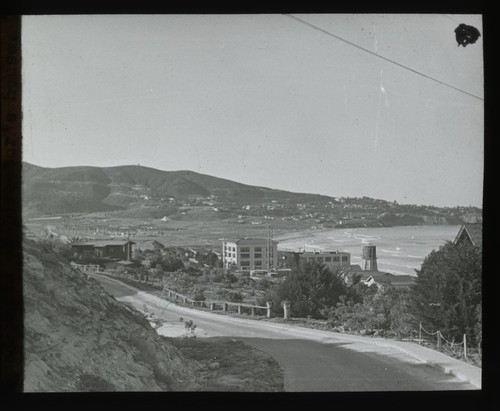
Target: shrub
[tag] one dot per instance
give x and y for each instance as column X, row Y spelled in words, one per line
column 199, row 294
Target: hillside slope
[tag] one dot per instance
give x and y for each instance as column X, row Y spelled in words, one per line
column 79, row 338
column 89, row 189
column 135, row 191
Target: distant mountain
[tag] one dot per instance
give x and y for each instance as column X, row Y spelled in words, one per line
column 137, row 191
column 90, row 189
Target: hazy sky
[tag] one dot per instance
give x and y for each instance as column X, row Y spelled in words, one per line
column 263, row 100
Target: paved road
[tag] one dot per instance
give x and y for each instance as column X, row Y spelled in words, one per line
column 312, row 360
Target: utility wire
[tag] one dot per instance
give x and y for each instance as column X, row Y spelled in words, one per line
column 382, row 57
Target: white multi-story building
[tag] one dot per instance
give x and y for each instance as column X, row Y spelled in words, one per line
column 250, row 254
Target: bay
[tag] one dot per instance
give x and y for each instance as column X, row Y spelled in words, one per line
column 400, row 250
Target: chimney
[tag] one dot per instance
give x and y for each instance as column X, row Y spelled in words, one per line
column 370, row 258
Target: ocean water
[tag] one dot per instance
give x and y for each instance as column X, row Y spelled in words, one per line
column 400, row 250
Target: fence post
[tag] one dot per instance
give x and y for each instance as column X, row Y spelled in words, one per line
column 438, row 340
column 225, row 305
column 420, row 333
column 253, row 310
column 239, row 308
column 286, row 309
column 465, row 346
column 268, row 304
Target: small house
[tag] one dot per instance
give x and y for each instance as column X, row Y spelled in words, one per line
column 112, row 249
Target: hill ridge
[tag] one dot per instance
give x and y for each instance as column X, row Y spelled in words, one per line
column 141, row 191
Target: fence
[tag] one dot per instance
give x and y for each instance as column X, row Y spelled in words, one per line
column 87, row 268
column 225, row 306
column 217, row 305
column 440, row 339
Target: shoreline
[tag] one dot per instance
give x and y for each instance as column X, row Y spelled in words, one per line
column 400, row 250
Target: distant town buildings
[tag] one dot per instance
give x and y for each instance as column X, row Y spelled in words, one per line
column 250, row 254
column 340, row 262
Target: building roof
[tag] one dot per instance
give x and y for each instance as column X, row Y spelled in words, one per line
column 251, row 240
column 322, row 252
column 383, row 277
column 101, row 243
column 472, row 233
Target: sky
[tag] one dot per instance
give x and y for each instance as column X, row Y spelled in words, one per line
column 345, row 105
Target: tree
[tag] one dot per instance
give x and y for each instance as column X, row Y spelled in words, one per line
column 310, row 287
column 447, row 291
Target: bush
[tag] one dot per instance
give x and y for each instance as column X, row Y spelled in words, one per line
column 230, row 295
column 381, row 311
column 199, row 294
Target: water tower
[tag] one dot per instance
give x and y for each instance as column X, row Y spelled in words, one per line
column 370, row 258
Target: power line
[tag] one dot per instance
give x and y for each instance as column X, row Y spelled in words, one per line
column 382, row 57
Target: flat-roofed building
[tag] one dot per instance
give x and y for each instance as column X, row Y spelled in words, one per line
column 331, row 259
column 250, row 254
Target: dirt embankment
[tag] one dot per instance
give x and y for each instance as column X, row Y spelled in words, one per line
column 78, row 338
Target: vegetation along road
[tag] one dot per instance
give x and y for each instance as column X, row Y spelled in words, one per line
column 312, row 360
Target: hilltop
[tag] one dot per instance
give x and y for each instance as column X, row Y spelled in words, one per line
column 87, row 189
column 135, row 191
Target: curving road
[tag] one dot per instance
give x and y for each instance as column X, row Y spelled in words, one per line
column 312, row 360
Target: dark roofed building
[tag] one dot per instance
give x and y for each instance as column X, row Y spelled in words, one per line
column 470, row 233
column 112, row 249
column 379, row 277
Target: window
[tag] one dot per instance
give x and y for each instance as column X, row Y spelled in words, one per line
column 245, row 249
column 258, row 249
column 328, row 259
column 344, row 258
column 246, row 255
column 319, row 259
column 245, row 263
column 258, row 263
column 257, row 255
column 337, row 259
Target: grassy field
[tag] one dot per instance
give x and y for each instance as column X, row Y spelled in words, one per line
column 197, row 228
